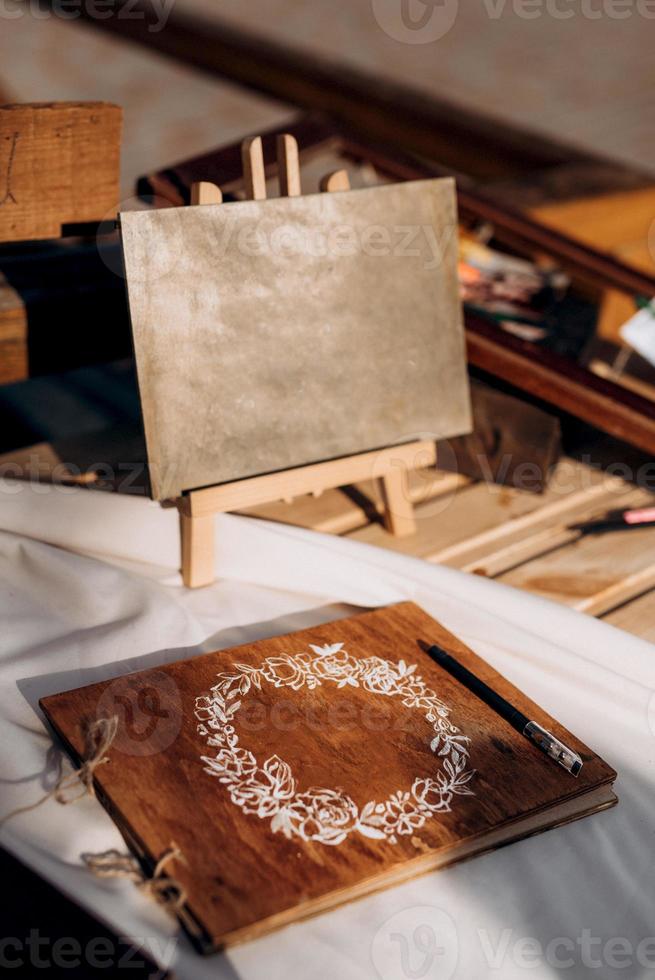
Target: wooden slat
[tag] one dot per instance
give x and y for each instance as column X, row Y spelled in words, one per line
column 540, row 532
column 203, row 193
column 59, row 165
column 336, row 181
column 560, row 381
column 289, row 166
column 308, row 479
column 594, row 575
column 254, row 171
column 340, row 511
column 463, row 528
column 613, row 219
column 14, row 359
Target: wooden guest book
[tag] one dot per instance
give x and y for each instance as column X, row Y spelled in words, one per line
column 297, row 773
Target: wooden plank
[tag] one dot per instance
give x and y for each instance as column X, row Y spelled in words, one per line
column 59, row 165
column 289, row 166
column 539, row 532
column 560, row 381
column 14, row 358
column 466, row 527
column 593, row 575
column 615, row 220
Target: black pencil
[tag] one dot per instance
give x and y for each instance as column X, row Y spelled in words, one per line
column 544, row 740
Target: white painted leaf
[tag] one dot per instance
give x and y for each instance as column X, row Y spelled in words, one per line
column 371, row 832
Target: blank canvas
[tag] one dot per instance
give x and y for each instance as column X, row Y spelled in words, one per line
column 273, row 334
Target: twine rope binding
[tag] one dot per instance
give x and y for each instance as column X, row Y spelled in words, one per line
column 69, row 788
column 99, row 736
column 162, row 888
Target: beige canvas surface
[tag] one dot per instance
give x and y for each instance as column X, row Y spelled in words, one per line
column 273, row 334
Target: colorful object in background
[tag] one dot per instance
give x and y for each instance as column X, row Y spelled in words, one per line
column 617, row 520
column 528, row 301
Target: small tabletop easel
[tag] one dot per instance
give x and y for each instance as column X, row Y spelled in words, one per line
column 197, row 508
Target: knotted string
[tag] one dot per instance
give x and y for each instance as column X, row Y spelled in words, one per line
column 163, row 889
column 74, row 786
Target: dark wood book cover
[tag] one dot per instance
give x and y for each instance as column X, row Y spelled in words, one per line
column 299, row 772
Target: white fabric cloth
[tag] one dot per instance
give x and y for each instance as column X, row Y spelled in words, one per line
column 89, row 590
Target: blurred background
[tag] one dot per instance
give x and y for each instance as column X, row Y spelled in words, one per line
column 578, row 71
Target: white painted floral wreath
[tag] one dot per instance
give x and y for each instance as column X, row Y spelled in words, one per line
column 329, row 815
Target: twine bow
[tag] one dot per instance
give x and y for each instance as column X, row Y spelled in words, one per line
column 98, row 738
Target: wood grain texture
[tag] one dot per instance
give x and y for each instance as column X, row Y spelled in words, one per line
column 59, row 165
column 242, row 877
column 562, row 382
column 305, row 366
column 580, row 575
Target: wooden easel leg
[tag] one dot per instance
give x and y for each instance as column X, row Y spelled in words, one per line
column 399, row 517
column 197, row 534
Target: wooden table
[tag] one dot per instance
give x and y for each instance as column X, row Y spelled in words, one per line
column 513, row 536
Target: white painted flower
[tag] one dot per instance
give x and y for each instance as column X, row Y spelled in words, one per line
column 323, row 815
column 380, row 676
column 417, row 695
column 284, row 671
column 401, row 815
column 335, row 664
column 266, row 790
column 430, row 794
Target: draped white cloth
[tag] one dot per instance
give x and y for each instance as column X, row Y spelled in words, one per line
column 89, row 591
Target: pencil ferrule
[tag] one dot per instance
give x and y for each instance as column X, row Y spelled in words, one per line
column 553, row 748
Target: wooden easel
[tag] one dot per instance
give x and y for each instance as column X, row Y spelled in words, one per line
column 197, row 508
